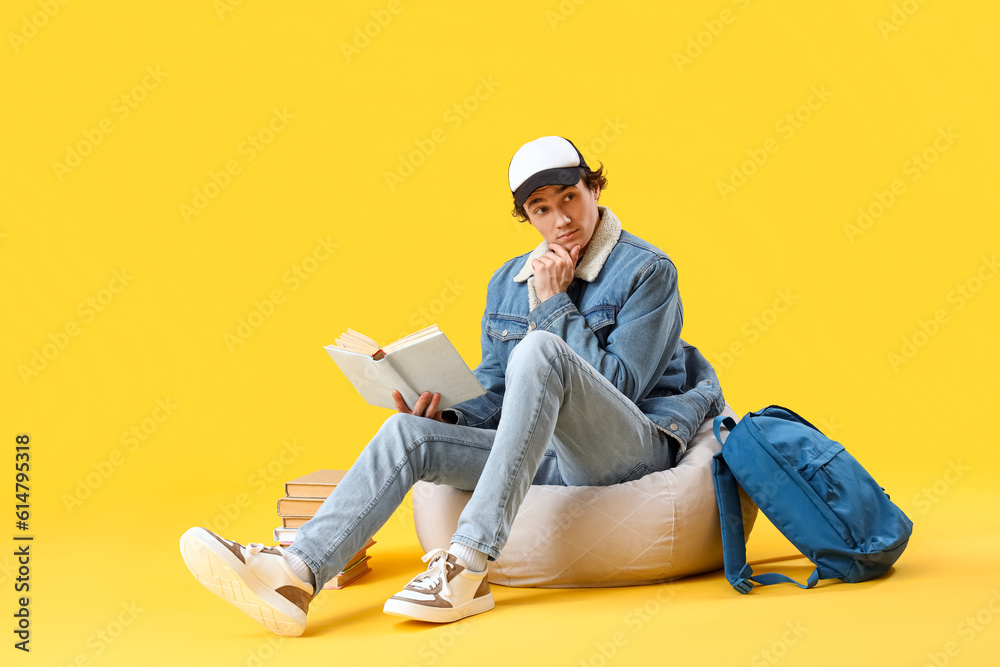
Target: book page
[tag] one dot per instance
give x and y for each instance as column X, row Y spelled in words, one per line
column 412, row 338
column 353, row 341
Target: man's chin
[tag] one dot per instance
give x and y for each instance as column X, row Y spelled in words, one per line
column 568, row 245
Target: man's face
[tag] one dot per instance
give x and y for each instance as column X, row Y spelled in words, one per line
column 564, row 215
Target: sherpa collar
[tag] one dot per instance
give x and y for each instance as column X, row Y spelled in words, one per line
column 606, row 235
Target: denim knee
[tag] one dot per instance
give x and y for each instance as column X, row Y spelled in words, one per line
column 402, row 423
column 403, row 436
column 398, row 432
column 535, row 351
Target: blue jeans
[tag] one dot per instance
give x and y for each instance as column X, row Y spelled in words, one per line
column 562, row 423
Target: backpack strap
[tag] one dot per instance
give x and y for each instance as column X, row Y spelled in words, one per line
column 774, row 578
column 720, row 421
column 734, row 551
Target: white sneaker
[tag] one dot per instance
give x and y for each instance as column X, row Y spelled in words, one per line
column 447, row 591
column 254, row 578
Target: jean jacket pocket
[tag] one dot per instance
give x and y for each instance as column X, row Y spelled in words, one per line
column 503, row 327
column 600, row 316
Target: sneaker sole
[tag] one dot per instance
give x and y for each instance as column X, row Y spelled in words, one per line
column 221, row 572
column 419, row 612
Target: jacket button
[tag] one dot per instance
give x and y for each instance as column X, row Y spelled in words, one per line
column 503, row 333
column 673, row 427
column 531, row 326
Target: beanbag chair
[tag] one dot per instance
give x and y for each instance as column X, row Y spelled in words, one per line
column 660, row 527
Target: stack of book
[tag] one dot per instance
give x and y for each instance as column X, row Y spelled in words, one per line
column 303, row 496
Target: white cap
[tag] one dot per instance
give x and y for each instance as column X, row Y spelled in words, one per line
column 544, row 161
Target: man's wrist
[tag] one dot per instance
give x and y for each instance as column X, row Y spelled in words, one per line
column 545, row 313
column 542, row 298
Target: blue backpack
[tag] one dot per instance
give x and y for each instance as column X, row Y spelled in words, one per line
column 813, row 491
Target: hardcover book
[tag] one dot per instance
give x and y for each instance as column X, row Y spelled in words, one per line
column 292, row 506
column 422, row 361
column 317, row 484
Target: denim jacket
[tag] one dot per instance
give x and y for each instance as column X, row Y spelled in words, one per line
column 622, row 313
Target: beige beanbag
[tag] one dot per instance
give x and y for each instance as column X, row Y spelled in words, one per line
column 660, row 527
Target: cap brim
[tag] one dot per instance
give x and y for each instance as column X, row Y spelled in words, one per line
column 557, row 176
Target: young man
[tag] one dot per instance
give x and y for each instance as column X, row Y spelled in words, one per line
column 587, row 383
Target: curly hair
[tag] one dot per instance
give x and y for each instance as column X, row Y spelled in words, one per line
column 592, row 179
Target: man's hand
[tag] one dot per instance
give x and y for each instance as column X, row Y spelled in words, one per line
column 425, row 406
column 554, row 270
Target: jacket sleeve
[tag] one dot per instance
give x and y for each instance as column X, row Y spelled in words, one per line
column 482, row 411
column 645, row 336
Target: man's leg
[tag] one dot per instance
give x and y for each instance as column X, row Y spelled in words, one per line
column 555, row 406
column 406, row 449
column 553, row 398
column 262, row 581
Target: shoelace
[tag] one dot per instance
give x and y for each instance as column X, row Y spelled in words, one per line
column 254, row 548
column 436, row 571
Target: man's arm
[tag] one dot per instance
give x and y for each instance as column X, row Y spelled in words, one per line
column 646, row 331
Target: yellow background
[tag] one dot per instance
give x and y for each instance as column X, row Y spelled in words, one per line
column 672, row 99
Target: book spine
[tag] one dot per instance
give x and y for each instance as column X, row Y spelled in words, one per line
column 406, row 389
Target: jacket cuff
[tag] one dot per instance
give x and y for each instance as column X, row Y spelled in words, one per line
column 453, row 416
column 550, row 310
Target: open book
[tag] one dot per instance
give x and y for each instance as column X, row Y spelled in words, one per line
column 423, row 361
